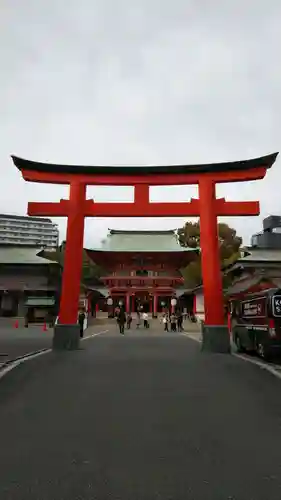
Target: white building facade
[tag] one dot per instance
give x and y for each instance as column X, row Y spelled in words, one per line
column 28, row 231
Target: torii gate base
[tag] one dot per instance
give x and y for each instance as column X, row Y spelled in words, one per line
column 207, row 207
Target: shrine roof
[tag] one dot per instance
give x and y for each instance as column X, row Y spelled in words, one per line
column 260, row 255
column 142, row 241
column 22, row 255
column 263, row 161
column 244, row 285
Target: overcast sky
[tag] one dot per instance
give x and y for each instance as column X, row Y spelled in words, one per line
column 139, row 82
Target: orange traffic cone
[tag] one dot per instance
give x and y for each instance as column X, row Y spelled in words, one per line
column 16, row 323
column 44, row 329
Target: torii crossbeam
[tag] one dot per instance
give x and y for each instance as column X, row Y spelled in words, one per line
column 207, row 207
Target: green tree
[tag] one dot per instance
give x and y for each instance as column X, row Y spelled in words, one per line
column 229, row 247
column 90, row 270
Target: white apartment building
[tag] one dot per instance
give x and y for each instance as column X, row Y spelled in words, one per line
column 30, row 231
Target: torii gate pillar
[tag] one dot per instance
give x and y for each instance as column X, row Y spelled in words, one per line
column 207, row 207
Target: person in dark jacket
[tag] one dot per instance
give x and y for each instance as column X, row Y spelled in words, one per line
column 173, row 320
column 179, row 321
column 129, row 320
column 121, row 320
column 81, row 319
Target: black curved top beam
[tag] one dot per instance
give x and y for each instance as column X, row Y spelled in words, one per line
column 263, row 161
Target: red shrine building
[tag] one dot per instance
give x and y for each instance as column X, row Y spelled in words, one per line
column 141, row 268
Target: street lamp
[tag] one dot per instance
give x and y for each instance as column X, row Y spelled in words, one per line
column 173, row 304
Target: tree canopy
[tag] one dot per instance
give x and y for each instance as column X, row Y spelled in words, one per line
column 90, row 270
column 229, row 245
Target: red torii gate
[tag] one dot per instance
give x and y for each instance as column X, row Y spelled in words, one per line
column 207, row 207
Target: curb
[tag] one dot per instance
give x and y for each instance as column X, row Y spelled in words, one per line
column 12, row 363
column 24, row 356
column 273, row 370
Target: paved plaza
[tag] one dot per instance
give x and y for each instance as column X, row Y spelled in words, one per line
column 17, row 342
column 140, row 416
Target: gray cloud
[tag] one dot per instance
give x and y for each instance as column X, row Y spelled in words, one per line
column 139, row 82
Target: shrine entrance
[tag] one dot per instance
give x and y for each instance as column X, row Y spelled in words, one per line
column 141, row 300
column 207, row 207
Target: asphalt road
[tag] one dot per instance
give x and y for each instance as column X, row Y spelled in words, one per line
column 16, row 342
column 142, row 417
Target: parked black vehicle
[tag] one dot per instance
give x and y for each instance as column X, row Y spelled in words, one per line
column 256, row 322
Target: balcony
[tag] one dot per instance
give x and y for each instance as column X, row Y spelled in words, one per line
column 12, row 226
column 28, row 235
column 144, row 281
column 28, row 230
column 16, row 240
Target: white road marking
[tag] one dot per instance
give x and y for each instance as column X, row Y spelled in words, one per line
column 94, row 335
column 35, row 354
column 276, row 372
column 23, row 359
column 260, row 364
column 193, row 336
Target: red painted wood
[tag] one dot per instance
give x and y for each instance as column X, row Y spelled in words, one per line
column 210, row 259
column 207, row 207
column 141, row 194
column 142, row 278
column 50, row 209
column 139, row 289
column 150, row 179
column 143, row 209
column 128, row 302
column 237, row 208
column 169, row 261
column 133, row 303
column 155, row 303
column 73, row 256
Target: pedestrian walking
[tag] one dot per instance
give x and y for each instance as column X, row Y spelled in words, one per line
column 145, row 320
column 121, row 320
column 179, row 322
column 138, row 322
column 129, row 320
column 165, row 323
column 81, row 319
column 173, row 321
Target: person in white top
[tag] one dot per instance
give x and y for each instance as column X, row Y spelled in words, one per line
column 165, row 323
column 145, row 319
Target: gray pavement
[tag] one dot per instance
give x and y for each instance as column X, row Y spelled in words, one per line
column 141, row 416
column 16, row 342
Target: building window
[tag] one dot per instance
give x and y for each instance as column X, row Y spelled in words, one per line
column 141, row 272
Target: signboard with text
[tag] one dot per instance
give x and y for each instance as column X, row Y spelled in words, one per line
column 276, row 305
